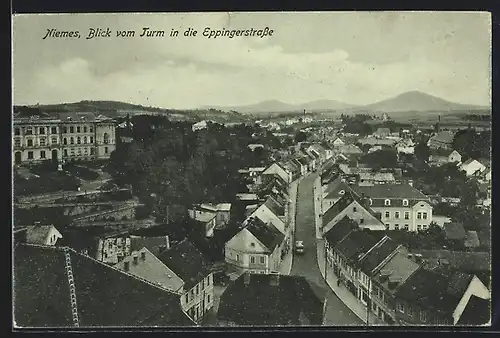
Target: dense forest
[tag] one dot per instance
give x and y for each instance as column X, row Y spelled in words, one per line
column 181, row 167
column 472, row 144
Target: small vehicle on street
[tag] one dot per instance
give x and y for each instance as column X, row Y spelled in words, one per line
column 299, row 247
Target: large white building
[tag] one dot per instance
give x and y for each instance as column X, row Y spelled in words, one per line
column 70, row 136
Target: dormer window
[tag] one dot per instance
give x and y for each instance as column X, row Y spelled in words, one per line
column 405, row 203
column 387, row 202
column 341, row 192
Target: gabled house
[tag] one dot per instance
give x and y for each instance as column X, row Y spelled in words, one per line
column 291, row 167
column 401, row 205
column 189, row 264
column 42, row 235
column 56, row 287
column 222, row 212
column 338, row 142
column 256, row 248
column 441, row 140
column 270, row 300
column 354, row 207
column 472, row 167
column 271, row 212
column 334, row 191
column 207, row 220
column 432, row 298
column 278, row 169
column 454, row 157
column 302, row 164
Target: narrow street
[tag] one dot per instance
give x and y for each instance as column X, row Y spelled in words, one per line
column 307, row 265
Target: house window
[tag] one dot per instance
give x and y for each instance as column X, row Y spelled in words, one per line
column 197, row 289
column 30, row 155
column 407, row 215
column 72, row 152
column 85, row 139
column 17, row 142
column 341, row 192
column 91, row 139
column 79, row 151
column 409, row 311
column 65, row 141
column 419, row 227
column 405, row 203
column 66, row 152
column 423, row 316
column 387, row 202
column 65, row 130
column 262, row 260
column 42, row 130
column 105, row 150
column 386, row 226
column 17, row 131
column 91, row 129
column 424, row 215
column 42, row 154
column 407, row 227
column 252, row 259
column 53, row 130
column 53, row 140
column 354, row 209
column 78, row 140
column 77, row 129
column 30, row 143
column 29, row 131
column 106, row 138
column 396, row 226
column 396, row 215
column 42, row 142
column 92, row 151
column 71, row 129
column 400, row 307
column 208, row 298
column 387, row 214
column 186, row 298
column 237, row 257
column 361, row 221
column 72, row 140
column 85, row 129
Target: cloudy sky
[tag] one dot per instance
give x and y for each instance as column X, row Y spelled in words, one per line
column 357, row 58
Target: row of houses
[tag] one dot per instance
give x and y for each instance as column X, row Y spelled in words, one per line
column 396, row 286
column 266, row 234
column 180, row 270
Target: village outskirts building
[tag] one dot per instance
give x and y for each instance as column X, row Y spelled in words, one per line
column 70, row 136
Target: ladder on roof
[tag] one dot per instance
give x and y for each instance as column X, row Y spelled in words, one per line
column 72, row 291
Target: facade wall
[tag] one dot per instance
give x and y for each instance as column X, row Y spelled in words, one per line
column 39, row 140
column 412, row 217
column 199, row 299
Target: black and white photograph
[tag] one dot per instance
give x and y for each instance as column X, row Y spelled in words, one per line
column 251, row 169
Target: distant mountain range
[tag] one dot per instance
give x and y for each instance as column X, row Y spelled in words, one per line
column 410, row 101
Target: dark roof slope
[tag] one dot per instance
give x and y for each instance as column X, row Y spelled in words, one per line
column 356, row 243
column 433, row 290
column 477, row 312
column 377, row 256
column 394, row 192
column 338, row 207
column 267, row 234
column 187, row 262
column 105, row 296
column 340, row 230
column 274, row 206
column 260, row 303
column 454, row 231
column 153, row 244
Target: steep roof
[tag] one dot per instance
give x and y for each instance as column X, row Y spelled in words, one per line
column 443, row 137
column 461, row 260
column 394, row 192
column 261, row 303
column 275, row 207
column 153, row 243
column 399, row 267
column 187, row 262
column 338, row 207
column 105, row 296
column 268, row 235
column 355, row 244
column 335, row 187
column 477, row 312
column 340, row 231
column 377, row 255
column 433, row 290
column 38, row 234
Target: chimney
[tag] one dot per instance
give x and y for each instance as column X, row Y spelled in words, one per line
column 246, row 278
column 136, row 259
column 143, row 255
column 274, row 279
column 126, row 265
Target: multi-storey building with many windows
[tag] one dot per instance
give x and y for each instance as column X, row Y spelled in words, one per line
column 70, row 136
column 401, row 205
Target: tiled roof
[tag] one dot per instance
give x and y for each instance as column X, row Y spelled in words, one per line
column 398, row 266
column 376, row 176
column 187, row 262
column 461, row 260
column 335, row 187
column 348, row 149
column 454, row 231
column 433, row 290
column 262, row 304
column 338, row 207
column 376, row 256
column 70, row 116
column 355, row 244
column 340, row 230
column 105, row 296
column 275, row 207
column 477, row 312
column 443, row 137
column 268, row 235
column 394, row 192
